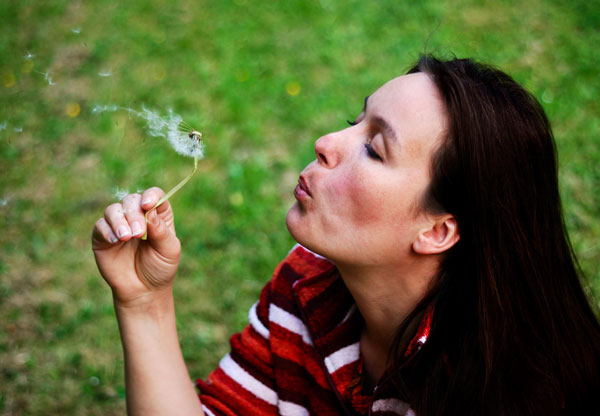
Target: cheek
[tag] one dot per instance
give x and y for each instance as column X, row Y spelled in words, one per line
column 360, row 202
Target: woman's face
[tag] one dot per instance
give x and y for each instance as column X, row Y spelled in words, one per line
column 358, row 202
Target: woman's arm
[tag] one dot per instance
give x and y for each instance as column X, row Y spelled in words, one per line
column 155, row 374
column 140, row 274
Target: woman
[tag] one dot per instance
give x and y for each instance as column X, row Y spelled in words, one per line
column 444, row 281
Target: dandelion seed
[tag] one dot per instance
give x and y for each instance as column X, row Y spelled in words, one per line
column 97, row 109
column 29, row 56
column 18, row 129
column 119, row 193
column 105, row 74
column 3, row 125
column 4, row 202
column 47, row 77
column 76, row 30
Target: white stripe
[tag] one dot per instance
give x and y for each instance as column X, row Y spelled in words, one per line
column 342, row 357
column 292, row 409
column 309, row 251
column 207, row 412
column 289, row 322
column 244, row 379
column 256, row 323
column 392, row 405
column 348, row 314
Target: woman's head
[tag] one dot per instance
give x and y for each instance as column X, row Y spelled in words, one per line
column 511, row 320
column 366, row 184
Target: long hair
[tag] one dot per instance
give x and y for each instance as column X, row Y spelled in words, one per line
column 513, row 332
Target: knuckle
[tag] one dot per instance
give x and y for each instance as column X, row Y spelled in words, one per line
column 99, row 225
column 112, row 209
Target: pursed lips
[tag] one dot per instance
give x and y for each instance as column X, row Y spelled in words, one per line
column 303, row 185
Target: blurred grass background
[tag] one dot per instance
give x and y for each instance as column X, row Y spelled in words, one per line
column 262, row 80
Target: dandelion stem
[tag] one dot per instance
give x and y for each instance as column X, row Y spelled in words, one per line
column 171, row 192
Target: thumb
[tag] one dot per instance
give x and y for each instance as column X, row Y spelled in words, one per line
column 160, row 236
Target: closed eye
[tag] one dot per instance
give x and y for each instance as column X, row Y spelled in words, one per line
column 372, row 153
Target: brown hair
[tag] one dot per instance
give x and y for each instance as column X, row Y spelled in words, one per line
column 513, row 332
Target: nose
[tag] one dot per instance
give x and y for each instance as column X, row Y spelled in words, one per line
column 328, row 150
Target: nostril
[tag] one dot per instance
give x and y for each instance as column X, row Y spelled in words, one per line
column 322, row 157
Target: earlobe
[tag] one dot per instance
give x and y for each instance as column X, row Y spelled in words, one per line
column 441, row 236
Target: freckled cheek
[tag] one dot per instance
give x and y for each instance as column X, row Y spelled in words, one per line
column 356, row 201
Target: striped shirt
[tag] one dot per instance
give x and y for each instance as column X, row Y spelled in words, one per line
column 299, row 354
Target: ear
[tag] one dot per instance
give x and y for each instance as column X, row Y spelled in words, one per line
column 440, row 236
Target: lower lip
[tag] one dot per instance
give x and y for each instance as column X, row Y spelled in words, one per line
column 300, row 193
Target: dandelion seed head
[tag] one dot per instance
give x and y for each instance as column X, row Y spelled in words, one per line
column 162, row 126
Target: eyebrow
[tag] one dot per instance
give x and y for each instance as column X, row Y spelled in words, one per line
column 382, row 124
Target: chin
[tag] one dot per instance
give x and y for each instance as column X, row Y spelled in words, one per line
column 298, row 228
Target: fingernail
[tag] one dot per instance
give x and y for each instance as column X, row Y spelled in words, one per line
column 136, row 228
column 113, row 238
column 123, row 231
column 146, row 201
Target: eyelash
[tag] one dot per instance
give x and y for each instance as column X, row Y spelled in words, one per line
column 372, row 153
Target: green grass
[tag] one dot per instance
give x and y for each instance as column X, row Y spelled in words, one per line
column 224, row 66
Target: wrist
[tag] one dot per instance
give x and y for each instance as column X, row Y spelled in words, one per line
column 156, row 302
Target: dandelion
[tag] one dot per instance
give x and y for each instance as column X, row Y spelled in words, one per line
column 195, row 147
column 292, row 88
column 184, row 139
column 72, row 110
column 8, row 79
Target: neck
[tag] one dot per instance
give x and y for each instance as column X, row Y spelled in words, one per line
column 385, row 296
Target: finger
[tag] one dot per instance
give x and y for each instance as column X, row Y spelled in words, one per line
column 115, row 217
column 161, row 237
column 150, row 197
column 134, row 214
column 103, row 233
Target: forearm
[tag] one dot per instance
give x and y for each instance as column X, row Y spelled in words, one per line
column 157, row 381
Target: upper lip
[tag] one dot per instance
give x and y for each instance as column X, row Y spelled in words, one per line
column 303, row 185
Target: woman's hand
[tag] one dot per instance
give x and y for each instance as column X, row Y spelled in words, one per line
column 138, row 271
